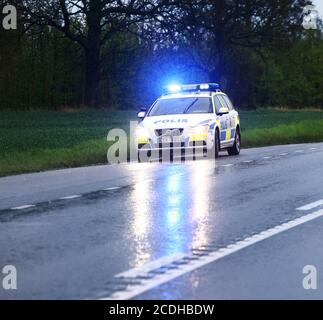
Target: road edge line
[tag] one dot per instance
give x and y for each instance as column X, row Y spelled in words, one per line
column 135, row 290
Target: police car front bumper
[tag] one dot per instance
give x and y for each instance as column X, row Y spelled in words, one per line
column 173, row 146
column 183, row 148
column 182, row 139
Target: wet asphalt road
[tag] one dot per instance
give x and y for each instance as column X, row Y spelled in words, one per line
column 123, row 216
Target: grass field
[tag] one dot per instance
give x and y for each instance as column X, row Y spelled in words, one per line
column 36, row 141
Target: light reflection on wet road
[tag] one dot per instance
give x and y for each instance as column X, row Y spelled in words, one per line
column 73, row 249
column 178, row 206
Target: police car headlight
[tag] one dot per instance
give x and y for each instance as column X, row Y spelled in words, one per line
column 200, row 129
column 141, row 132
column 142, row 135
column 199, row 133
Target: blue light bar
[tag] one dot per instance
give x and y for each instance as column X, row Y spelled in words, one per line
column 209, row 87
column 206, row 87
column 174, row 88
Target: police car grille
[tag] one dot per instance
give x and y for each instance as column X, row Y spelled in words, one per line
column 175, row 132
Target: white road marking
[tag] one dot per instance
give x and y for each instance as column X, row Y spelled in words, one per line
column 266, row 158
column 74, row 196
column 153, row 265
column 313, row 149
column 227, row 165
column 27, row 206
column 135, row 290
column 283, row 154
column 311, row 206
column 247, row 161
column 299, row 151
column 111, row 189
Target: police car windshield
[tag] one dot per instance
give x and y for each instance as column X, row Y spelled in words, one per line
column 189, row 105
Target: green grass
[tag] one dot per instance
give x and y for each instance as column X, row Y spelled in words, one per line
column 36, row 141
column 273, row 127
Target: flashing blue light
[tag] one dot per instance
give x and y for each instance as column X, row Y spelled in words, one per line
column 204, row 86
column 174, row 88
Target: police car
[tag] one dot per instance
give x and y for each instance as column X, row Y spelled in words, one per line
column 197, row 117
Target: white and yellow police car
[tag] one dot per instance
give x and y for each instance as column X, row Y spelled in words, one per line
column 196, row 116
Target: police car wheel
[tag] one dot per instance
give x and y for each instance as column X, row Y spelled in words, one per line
column 144, row 155
column 216, row 145
column 235, row 149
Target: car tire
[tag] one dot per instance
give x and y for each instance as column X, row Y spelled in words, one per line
column 139, row 155
column 235, row 149
column 216, row 145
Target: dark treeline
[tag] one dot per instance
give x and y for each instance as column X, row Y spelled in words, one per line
column 118, row 54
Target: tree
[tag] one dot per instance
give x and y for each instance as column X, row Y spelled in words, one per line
column 91, row 23
column 211, row 31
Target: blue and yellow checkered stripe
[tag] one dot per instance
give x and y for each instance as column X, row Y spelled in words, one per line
column 227, row 134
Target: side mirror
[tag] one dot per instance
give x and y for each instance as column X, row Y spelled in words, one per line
column 223, row 110
column 141, row 114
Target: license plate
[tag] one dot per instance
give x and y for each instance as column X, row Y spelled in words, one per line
column 166, row 139
column 169, row 139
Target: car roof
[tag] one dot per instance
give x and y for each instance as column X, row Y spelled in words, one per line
column 191, row 95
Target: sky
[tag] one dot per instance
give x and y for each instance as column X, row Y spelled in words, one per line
column 319, row 6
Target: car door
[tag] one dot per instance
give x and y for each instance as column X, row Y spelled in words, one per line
column 223, row 119
column 232, row 115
